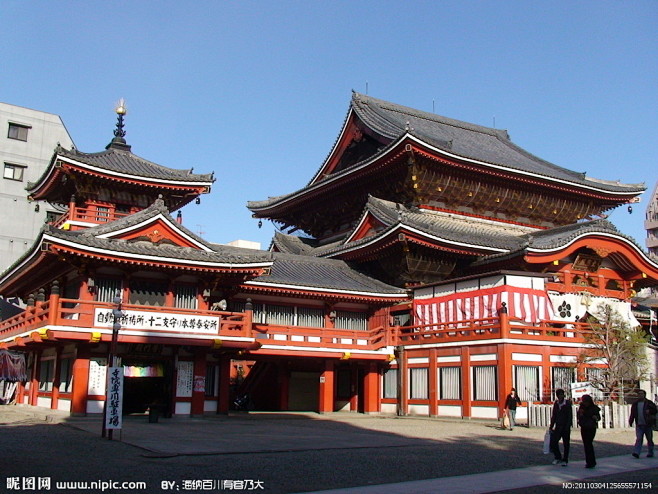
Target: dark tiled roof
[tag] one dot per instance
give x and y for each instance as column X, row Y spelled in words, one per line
column 557, row 237
column 214, row 253
column 479, row 234
column 449, row 226
column 288, row 269
column 484, row 144
column 292, row 244
column 330, row 274
column 122, row 161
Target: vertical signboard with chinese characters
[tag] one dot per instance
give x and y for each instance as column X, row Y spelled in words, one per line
column 185, row 381
column 114, row 404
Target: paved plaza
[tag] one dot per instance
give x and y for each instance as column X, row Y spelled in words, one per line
column 306, row 452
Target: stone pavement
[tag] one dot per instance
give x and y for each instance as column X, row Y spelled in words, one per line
column 576, row 477
column 473, row 446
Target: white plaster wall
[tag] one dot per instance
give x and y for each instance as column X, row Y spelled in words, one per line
column 210, row 406
column 43, row 402
column 95, row 406
column 484, row 412
column 64, row 405
column 419, row 410
column 450, row 411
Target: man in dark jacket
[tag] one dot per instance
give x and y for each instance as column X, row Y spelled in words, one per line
column 561, row 420
column 643, row 413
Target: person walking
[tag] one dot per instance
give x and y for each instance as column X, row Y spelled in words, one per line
column 510, row 407
column 560, row 428
column 588, row 417
column 643, row 413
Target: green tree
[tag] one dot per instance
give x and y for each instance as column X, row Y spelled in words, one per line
column 614, row 342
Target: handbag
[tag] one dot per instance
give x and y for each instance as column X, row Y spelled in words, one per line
column 547, row 442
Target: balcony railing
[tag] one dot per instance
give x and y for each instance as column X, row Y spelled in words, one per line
column 88, row 215
column 86, row 317
column 93, row 316
column 298, row 336
column 486, row 329
column 82, row 318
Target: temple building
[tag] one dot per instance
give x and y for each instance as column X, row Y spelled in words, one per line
column 428, row 266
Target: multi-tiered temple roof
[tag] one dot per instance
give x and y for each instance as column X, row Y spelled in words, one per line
column 416, row 197
column 116, row 176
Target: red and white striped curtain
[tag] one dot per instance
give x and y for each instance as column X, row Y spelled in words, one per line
column 525, row 304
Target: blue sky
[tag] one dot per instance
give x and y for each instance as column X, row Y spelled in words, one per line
column 257, row 91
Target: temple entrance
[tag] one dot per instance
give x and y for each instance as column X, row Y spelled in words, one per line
column 304, row 391
column 146, row 384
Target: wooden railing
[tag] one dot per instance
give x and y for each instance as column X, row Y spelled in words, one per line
column 321, row 337
column 484, row 329
column 83, row 314
column 88, row 215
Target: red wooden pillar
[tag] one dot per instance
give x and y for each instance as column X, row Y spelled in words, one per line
column 34, row 384
column 327, row 379
column 546, row 373
column 54, row 399
column 20, row 392
column 433, row 391
column 199, row 383
column 284, row 386
column 80, row 382
column 248, row 319
column 355, row 387
column 224, row 385
column 505, row 381
column 466, row 381
column 403, row 382
column 371, row 389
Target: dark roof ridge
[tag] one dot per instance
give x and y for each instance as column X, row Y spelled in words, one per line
column 75, row 153
column 434, row 117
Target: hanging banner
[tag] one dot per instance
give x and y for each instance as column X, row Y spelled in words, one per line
column 114, row 397
column 525, row 304
column 577, row 306
column 12, row 366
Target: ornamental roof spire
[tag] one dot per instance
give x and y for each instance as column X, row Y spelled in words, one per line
column 119, row 134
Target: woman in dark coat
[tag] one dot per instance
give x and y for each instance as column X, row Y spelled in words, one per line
column 588, row 417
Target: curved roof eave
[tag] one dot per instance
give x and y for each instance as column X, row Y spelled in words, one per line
column 398, row 228
column 139, row 256
column 506, row 168
column 176, row 182
column 25, row 260
column 476, row 142
column 610, row 235
column 353, row 293
column 267, row 204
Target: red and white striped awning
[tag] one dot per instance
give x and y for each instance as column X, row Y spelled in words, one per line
column 526, row 304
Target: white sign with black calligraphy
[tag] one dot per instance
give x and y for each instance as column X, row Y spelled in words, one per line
column 114, row 404
column 145, row 320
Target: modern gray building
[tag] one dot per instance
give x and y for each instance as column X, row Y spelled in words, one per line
column 27, row 144
column 651, row 223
